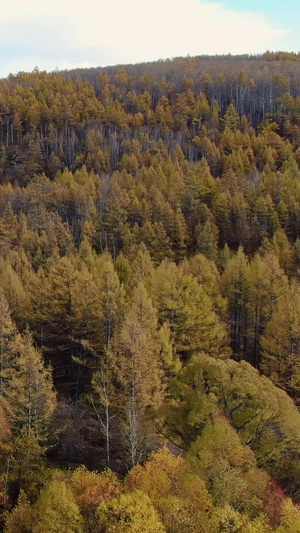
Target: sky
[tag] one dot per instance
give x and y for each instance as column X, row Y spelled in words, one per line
column 65, row 34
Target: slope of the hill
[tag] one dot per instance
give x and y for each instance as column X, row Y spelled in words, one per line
column 150, row 296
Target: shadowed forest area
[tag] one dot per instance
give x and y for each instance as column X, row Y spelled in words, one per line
column 150, row 297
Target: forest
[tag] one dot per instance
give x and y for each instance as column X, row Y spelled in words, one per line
column 150, row 297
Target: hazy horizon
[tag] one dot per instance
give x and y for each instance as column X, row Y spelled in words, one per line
column 66, row 35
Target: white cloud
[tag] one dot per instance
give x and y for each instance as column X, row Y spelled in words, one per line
column 175, row 26
column 69, row 33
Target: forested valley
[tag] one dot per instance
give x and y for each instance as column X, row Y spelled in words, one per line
column 150, row 297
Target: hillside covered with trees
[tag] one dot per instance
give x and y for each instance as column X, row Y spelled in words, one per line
column 150, row 298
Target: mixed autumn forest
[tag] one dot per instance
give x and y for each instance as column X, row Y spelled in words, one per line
column 150, row 297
